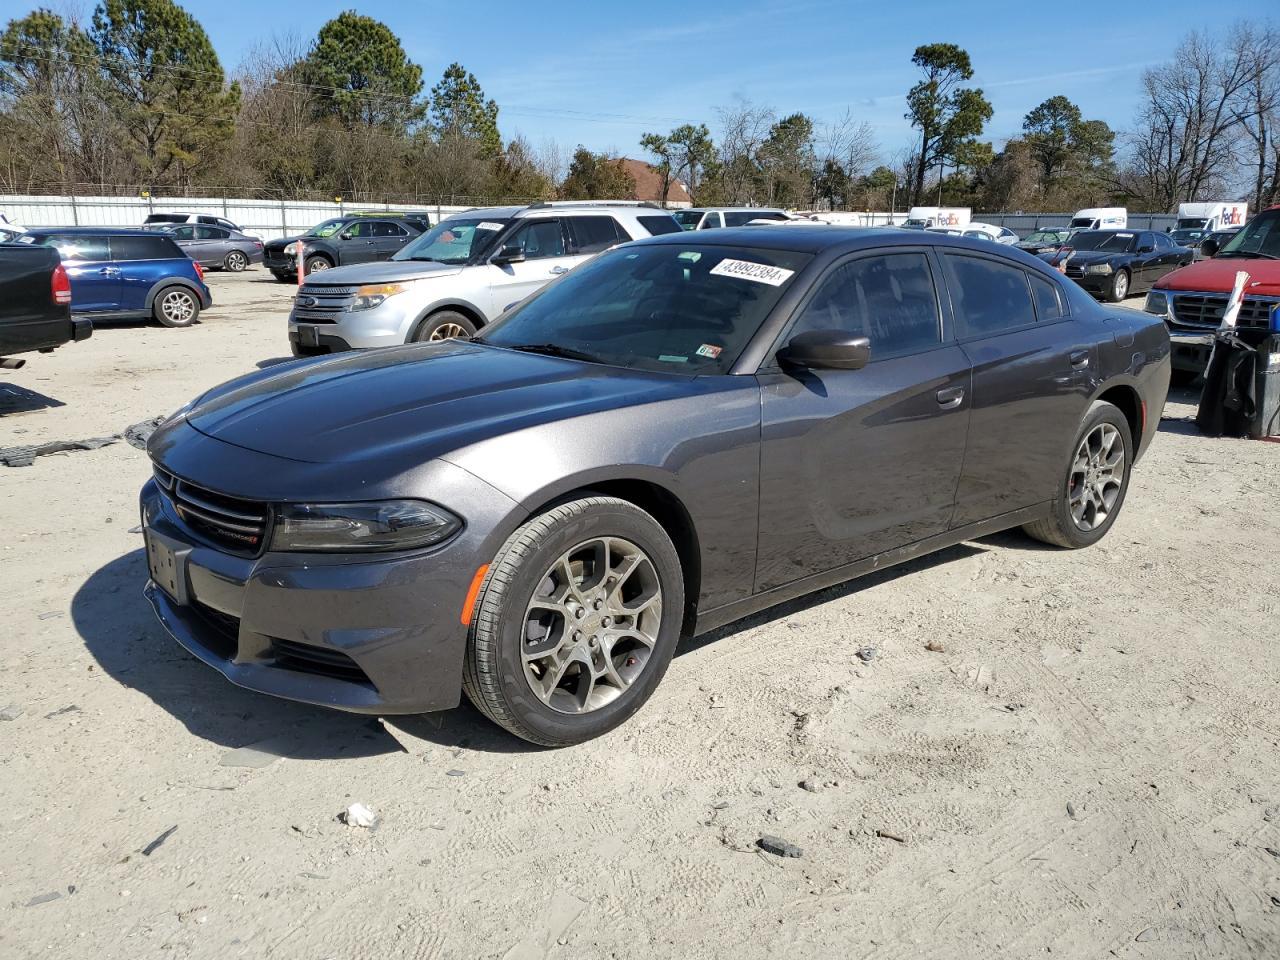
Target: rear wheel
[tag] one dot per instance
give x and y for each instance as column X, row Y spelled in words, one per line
column 1119, row 288
column 445, row 325
column 176, row 307
column 576, row 622
column 1097, row 479
column 235, row 261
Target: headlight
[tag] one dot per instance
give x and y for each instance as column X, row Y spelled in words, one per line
column 1103, row 268
column 1157, row 303
column 373, row 294
column 345, row 527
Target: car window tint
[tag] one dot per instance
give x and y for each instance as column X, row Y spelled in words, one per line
column 594, row 234
column 385, row 228
column 990, row 297
column 79, row 247
column 658, row 225
column 142, row 248
column 540, row 240
column 1049, row 302
column 711, row 221
column 183, row 233
column 889, row 299
column 360, row 230
column 211, row 233
column 1164, row 241
column 738, row 218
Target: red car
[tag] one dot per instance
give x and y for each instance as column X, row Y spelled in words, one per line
column 1192, row 300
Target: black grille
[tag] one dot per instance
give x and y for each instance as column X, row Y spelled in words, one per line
column 1203, row 311
column 239, row 525
column 317, row 303
column 324, row 661
column 224, row 630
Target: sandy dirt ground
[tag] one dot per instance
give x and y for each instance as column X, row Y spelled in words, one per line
column 1089, row 767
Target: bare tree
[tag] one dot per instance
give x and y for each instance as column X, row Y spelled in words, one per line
column 744, row 127
column 1257, row 107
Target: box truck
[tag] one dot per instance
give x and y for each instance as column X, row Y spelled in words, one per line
column 1208, row 217
column 921, row 218
column 1100, row 218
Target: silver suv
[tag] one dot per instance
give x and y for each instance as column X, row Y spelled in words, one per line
column 460, row 274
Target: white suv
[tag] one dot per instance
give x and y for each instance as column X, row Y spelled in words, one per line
column 460, row 274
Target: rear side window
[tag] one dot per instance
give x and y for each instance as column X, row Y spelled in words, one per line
column 1049, row 305
column 658, row 225
column 593, row 234
column 211, row 233
column 385, row 228
column 144, row 248
column 79, row 247
column 711, row 221
column 989, row 297
column 889, row 299
column 166, row 218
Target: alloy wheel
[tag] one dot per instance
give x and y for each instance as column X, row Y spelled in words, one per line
column 1122, row 285
column 447, row 331
column 178, row 307
column 236, row 262
column 1097, row 476
column 590, row 628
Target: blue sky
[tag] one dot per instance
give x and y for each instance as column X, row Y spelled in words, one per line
column 601, row 74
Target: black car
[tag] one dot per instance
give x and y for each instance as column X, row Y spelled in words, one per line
column 679, row 433
column 1044, row 240
column 355, row 238
column 1114, row 264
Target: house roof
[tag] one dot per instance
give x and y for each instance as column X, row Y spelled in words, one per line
column 649, row 183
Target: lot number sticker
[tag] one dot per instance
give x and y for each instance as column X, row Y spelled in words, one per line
column 757, row 272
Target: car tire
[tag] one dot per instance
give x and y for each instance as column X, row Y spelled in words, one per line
column 444, row 325
column 282, row 277
column 1091, row 495
column 559, row 553
column 235, row 261
column 1118, row 289
column 300, row 351
column 316, row 264
column 176, row 307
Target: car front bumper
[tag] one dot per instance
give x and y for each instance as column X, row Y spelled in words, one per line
column 387, row 325
column 361, row 633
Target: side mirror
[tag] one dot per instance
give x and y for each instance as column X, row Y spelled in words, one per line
column 346, row 235
column 1209, row 247
column 827, row 350
column 510, row 253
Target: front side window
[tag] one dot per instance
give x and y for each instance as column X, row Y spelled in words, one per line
column 456, row 240
column 676, row 308
column 540, row 240
column 594, row 234
column 78, row 247
column 712, row 221
column 889, row 299
column 990, row 297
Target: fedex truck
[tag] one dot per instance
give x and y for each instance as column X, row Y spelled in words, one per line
column 921, row 218
column 1208, row 217
column 1100, row 218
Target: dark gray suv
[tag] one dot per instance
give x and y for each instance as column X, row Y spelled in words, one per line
column 681, row 432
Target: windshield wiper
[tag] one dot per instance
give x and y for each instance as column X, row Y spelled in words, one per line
column 550, row 350
column 1248, row 254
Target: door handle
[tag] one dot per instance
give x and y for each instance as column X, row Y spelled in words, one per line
column 950, row 397
column 556, row 271
column 1079, row 359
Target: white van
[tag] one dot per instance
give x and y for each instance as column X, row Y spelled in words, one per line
column 1208, row 217
column 1100, row 218
column 922, row 218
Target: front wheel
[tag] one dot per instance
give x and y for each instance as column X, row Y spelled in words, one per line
column 316, row 264
column 445, row 325
column 1097, row 479
column 176, row 307
column 1119, row 288
column 577, row 619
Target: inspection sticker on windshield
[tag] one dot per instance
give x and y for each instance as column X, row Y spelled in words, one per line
column 709, row 350
column 488, row 225
column 757, row 272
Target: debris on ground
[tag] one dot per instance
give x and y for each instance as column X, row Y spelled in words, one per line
column 25, row 456
column 137, row 434
column 779, row 847
column 1147, row 935
column 935, row 646
column 57, row 713
column 1271, row 813
column 49, row 615
column 44, row 898
column 1273, row 851
column 867, row 654
column 810, row 785
column 455, row 773
column 1072, row 812
column 154, row 845
column 253, row 755
column 358, row 815
column 11, row 712
column 887, row 835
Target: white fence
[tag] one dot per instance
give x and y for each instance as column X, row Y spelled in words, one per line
column 269, row 219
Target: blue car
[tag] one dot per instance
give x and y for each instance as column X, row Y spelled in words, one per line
column 127, row 274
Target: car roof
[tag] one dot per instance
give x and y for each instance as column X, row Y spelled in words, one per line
column 822, row 238
column 96, row 231
column 732, row 210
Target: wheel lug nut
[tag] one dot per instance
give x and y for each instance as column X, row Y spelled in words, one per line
column 594, row 642
column 607, row 622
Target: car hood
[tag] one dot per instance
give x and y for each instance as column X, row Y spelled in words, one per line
column 281, row 244
column 417, row 402
column 1081, row 257
column 1218, row 275
column 387, row 271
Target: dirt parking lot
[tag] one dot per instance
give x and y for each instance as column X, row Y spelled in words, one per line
column 1090, row 766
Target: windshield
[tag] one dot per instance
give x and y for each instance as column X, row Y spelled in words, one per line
column 1260, row 237
column 1086, row 222
column 1185, row 237
column 455, row 240
column 674, row 308
column 1192, row 223
column 1103, row 240
column 688, row 219
column 326, row 229
column 1044, row 236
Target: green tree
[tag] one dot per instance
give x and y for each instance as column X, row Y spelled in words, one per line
column 787, row 163
column 692, row 153
column 1049, row 131
column 166, row 84
column 946, row 113
column 832, row 184
column 363, row 76
column 597, row 176
column 661, row 148
column 459, row 109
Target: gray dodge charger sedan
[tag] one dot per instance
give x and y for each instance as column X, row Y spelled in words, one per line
column 679, row 433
